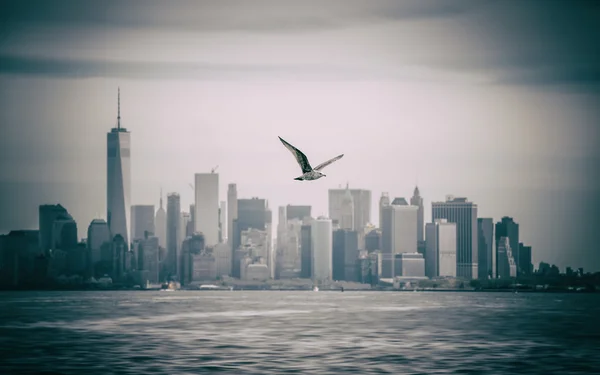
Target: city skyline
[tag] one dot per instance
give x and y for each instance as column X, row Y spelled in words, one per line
column 411, row 92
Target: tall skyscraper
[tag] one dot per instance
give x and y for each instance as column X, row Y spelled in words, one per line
column 161, row 224
column 384, row 201
column 464, row 214
column 305, row 252
column 417, row 200
column 362, row 207
column 118, row 179
column 64, row 233
column 345, row 255
column 142, row 220
column 192, row 218
column 232, row 209
column 148, row 258
column 441, row 249
column 347, row 213
column 173, row 233
column 322, row 249
column 398, row 233
column 507, row 267
column 251, row 213
column 47, row 214
column 206, row 217
column 507, row 227
column 487, row 257
column 222, row 221
column 184, row 226
column 98, row 235
column 525, row 259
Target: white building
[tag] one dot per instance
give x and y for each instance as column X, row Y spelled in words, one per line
column 464, row 214
column 441, row 249
column 398, row 233
column 118, row 179
column 257, row 271
column 362, row 207
column 409, row 265
column 321, row 237
column 206, row 217
column 404, row 227
column 223, row 255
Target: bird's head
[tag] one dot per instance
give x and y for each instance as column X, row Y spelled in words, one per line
column 321, row 174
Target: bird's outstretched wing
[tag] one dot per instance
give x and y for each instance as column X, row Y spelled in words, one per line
column 300, row 157
column 323, row 165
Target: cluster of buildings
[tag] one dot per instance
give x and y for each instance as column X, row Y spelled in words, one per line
column 138, row 244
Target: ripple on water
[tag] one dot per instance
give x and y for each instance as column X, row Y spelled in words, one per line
column 298, row 332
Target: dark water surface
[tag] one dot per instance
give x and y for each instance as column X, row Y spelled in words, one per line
column 298, row 332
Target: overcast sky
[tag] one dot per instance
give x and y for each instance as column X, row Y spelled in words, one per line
column 497, row 101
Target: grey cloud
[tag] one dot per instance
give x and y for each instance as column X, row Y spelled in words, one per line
column 67, row 68
column 265, row 15
column 542, row 44
column 539, row 43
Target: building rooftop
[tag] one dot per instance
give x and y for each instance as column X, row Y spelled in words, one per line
column 399, row 202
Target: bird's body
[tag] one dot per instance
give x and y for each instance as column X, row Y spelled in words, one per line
column 312, row 175
column 308, row 173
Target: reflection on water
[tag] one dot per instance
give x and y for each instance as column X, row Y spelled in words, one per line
column 298, row 332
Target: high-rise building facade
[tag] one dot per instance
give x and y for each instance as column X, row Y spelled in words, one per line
column 206, row 217
column 398, row 233
column 485, row 240
column 232, row 210
column 173, row 233
column 417, row 201
column 347, row 212
column 64, row 233
column 118, row 179
column 507, row 267
column 440, row 254
column 362, row 207
column 47, row 214
column 98, row 235
column 464, row 214
column 507, row 227
column 345, row 255
column 525, row 262
column 251, row 213
column 409, row 265
column 142, row 220
column 148, row 258
column 384, row 201
column 222, row 221
column 321, row 238
column 160, row 224
column 297, row 212
column 306, row 252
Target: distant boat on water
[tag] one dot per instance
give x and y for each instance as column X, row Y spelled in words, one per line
column 170, row 287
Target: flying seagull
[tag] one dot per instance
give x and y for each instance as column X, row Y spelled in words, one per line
column 308, row 172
